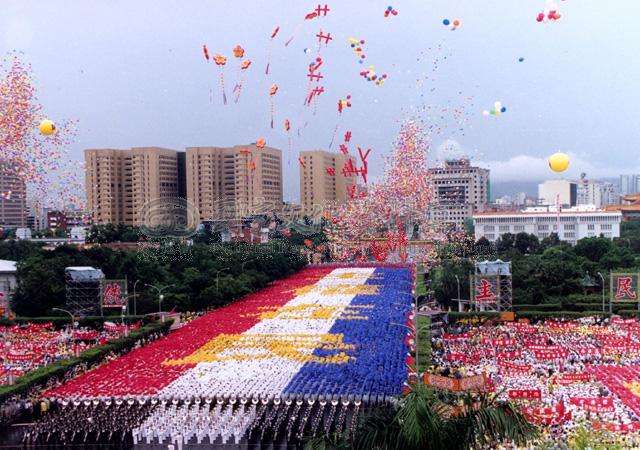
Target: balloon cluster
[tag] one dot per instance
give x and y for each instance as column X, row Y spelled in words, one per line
column 390, row 11
column 496, row 110
column 453, row 24
column 370, row 75
column 356, row 45
column 548, row 15
column 344, row 103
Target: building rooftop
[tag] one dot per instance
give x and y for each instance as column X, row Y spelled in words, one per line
column 7, row 266
column 543, row 213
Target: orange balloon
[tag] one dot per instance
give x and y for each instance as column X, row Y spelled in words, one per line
column 260, row 143
column 273, row 89
column 219, row 59
column 245, row 64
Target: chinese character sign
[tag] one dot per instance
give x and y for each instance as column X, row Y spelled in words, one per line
column 624, row 287
column 486, row 290
column 113, row 295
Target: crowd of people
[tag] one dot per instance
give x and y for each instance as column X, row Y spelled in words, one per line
column 26, row 347
column 563, row 374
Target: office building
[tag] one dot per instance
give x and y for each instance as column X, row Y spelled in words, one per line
column 233, row 182
column 121, row 183
column 324, row 180
column 558, row 192
column 459, row 190
column 13, row 198
column 570, row 224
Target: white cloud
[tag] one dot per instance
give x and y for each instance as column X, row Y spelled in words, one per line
column 533, row 168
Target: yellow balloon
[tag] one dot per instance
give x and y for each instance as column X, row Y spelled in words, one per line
column 47, row 127
column 559, row 162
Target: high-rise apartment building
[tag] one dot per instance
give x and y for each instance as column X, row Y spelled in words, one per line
column 629, row 184
column 596, row 193
column 13, row 198
column 459, row 190
column 233, row 182
column 323, row 180
column 121, row 183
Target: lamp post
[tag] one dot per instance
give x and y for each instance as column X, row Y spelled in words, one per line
column 218, row 278
column 418, row 330
column 602, row 278
column 73, row 326
column 73, row 319
column 160, row 296
column 135, row 300
column 246, row 262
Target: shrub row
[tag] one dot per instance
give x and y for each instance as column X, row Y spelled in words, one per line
column 42, row 375
column 531, row 315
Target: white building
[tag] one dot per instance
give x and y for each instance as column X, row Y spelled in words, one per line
column 570, row 225
column 553, row 191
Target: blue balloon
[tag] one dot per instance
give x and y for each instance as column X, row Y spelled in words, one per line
column 446, row 22
column 503, row 109
column 521, row 59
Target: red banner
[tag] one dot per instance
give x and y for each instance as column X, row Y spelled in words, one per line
column 594, row 404
column 568, row 378
column 529, row 394
column 440, row 382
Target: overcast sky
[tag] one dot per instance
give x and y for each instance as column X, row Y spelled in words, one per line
column 132, row 73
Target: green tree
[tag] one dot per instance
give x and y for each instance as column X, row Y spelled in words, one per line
column 526, row 243
column 424, row 421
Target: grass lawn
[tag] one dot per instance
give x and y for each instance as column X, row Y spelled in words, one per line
column 424, row 343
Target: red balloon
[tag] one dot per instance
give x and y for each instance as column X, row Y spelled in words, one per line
column 540, row 17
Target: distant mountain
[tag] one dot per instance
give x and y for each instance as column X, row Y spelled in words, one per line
column 500, row 188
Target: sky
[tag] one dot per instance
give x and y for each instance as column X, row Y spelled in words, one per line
column 133, row 74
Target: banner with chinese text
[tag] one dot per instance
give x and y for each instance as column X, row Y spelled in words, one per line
column 113, row 293
column 624, row 287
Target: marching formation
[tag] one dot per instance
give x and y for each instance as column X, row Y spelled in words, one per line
column 306, row 350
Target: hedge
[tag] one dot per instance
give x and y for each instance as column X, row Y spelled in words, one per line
column 540, row 307
column 40, row 376
column 591, row 306
column 535, row 315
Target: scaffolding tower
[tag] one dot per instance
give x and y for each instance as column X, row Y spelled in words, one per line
column 83, row 289
column 491, row 286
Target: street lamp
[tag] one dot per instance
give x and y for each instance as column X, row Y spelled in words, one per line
column 135, row 309
column 602, row 278
column 418, row 330
column 218, row 278
column 73, row 319
column 160, row 296
column 246, row 262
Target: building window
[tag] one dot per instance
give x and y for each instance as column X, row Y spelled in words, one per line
column 504, row 228
column 605, row 226
column 570, row 227
column 591, row 227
